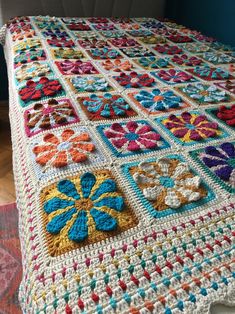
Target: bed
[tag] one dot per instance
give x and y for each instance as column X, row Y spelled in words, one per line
column 124, row 158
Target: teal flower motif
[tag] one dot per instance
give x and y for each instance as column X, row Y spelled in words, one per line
column 104, row 53
column 90, row 84
column 106, row 104
column 217, row 58
column 153, row 62
column 84, row 205
column 208, row 73
column 158, row 100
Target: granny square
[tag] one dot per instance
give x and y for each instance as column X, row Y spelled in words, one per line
column 152, row 63
column 131, row 138
column 41, row 89
column 69, row 67
column 186, row 60
column 208, row 73
column 89, row 84
column 167, row 49
column 203, row 94
column 173, row 76
column 60, row 42
column 32, row 70
column 217, row 58
column 224, row 114
column 105, row 107
column 136, row 52
column 135, row 80
column 29, row 56
column 218, row 162
column 104, row 53
column 190, row 128
column 158, row 100
column 93, row 43
column 227, row 85
column 48, row 115
column 110, row 66
column 91, row 202
column 167, row 185
column 67, row 53
column 64, row 149
column 27, row 44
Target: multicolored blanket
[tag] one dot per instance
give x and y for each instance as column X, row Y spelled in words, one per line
column 124, row 161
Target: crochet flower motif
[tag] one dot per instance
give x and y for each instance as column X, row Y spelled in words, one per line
column 87, row 36
column 27, row 44
column 90, row 84
column 168, row 183
column 124, row 42
column 207, row 73
column 113, row 34
column 217, row 58
column 227, row 85
column 191, row 127
column 135, row 52
column 130, row 26
column 140, row 33
column 105, row 53
column 37, row 90
column 104, row 27
column 67, row 53
column 153, row 24
column 61, row 42
column 221, row 161
column 64, row 149
column 29, row 56
column 205, row 93
column 167, row 49
column 149, row 63
column 106, row 106
column 78, row 27
column 20, row 28
column 49, row 115
column 180, row 38
column 29, row 71
column 95, row 20
column 85, row 206
column 117, row 65
column 24, row 35
column 151, row 40
column 221, row 47
column 204, row 38
column 54, row 33
column 227, row 115
column 133, row 136
column 157, row 100
column 173, row 76
column 134, row 80
column 48, row 25
column 195, row 48
column 186, row 60
column 68, row 67
column 93, row 43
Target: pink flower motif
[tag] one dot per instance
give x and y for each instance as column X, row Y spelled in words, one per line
column 174, row 76
column 133, row 136
column 68, row 67
column 124, row 42
column 186, row 60
column 191, row 126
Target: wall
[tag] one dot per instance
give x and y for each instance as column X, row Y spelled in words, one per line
column 214, row 18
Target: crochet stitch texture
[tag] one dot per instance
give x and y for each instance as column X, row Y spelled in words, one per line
column 124, row 161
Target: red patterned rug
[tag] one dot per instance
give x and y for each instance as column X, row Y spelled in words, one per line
column 10, row 260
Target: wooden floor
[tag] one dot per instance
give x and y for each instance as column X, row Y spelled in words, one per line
column 7, row 189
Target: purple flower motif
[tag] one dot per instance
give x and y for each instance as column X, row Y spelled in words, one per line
column 221, row 161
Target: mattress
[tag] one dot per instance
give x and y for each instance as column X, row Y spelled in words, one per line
column 124, row 164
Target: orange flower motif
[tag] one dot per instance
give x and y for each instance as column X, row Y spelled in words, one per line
column 59, row 151
column 117, row 65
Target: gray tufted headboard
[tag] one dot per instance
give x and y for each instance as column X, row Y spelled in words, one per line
column 129, row 8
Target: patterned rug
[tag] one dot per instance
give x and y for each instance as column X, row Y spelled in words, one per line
column 10, row 260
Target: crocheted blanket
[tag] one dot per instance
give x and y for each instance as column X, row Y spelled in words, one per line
column 124, row 162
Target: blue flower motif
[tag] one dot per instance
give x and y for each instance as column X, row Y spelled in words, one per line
column 90, row 83
column 158, row 100
column 84, row 206
column 104, row 53
column 153, row 62
column 106, row 104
